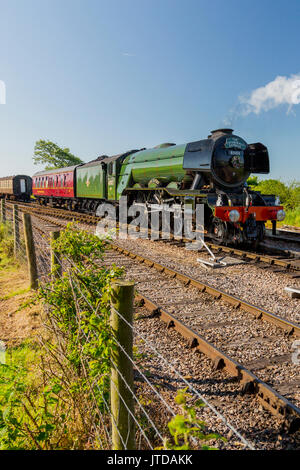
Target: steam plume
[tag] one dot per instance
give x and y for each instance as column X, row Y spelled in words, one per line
column 281, row 91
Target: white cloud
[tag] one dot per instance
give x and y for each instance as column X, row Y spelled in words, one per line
column 128, row 54
column 281, row 91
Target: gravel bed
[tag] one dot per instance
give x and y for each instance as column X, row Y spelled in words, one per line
column 257, row 426
column 239, row 335
column 242, row 337
column 248, row 282
column 289, row 245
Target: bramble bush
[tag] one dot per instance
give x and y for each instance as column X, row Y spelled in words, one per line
column 186, row 430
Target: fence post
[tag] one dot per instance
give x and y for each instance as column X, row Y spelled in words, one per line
column 30, row 251
column 16, row 230
column 55, row 257
column 122, row 402
column 3, row 211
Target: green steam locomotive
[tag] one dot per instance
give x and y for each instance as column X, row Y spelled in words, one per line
column 211, row 171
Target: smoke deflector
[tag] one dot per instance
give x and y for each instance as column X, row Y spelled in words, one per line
column 257, row 158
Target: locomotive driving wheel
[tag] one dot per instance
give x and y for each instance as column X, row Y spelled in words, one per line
column 219, row 231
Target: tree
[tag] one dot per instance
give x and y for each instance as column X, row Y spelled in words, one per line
column 252, row 181
column 295, row 195
column 50, row 154
column 289, row 194
column 277, row 188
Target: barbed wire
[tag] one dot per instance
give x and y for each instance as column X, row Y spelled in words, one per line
column 173, row 367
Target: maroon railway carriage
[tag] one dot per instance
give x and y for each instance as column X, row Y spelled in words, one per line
column 56, row 187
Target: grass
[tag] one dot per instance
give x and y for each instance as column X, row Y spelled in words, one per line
column 23, row 356
column 6, row 245
column 7, row 261
column 293, row 218
column 18, row 373
column 15, row 293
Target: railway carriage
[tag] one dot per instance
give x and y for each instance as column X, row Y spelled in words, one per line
column 17, row 188
column 56, row 187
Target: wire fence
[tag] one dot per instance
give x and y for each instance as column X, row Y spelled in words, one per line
column 125, row 406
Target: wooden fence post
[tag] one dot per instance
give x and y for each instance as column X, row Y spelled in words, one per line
column 16, row 230
column 30, row 251
column 3, row 211
column 56, row 268
column 122, row 401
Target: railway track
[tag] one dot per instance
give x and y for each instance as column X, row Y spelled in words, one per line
column 281, row 330
column 284, row 236
column 214, row 333
column 282, row 260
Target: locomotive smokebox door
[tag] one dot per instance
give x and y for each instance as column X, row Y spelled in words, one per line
column 257, row 158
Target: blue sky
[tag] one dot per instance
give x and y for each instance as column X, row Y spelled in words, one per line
column 102, row 77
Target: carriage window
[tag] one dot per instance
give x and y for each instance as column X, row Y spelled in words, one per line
column 23, row 185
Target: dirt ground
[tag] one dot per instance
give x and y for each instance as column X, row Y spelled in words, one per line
column 17, row 322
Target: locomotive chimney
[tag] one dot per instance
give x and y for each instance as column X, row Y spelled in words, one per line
column 218, row 132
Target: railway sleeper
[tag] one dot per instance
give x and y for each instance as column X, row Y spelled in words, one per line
column 269, row 398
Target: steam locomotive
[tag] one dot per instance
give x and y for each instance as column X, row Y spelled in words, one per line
column 212, row 172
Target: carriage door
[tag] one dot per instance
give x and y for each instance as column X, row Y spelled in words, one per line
column 111, row 181
column 22, row 185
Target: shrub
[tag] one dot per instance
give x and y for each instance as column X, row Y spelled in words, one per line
column 59, row 408
column 186, row 429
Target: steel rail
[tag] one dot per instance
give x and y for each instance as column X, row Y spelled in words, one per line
column 259, row 313
column 268, row 397
column 288, row 326
column 288, row 264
